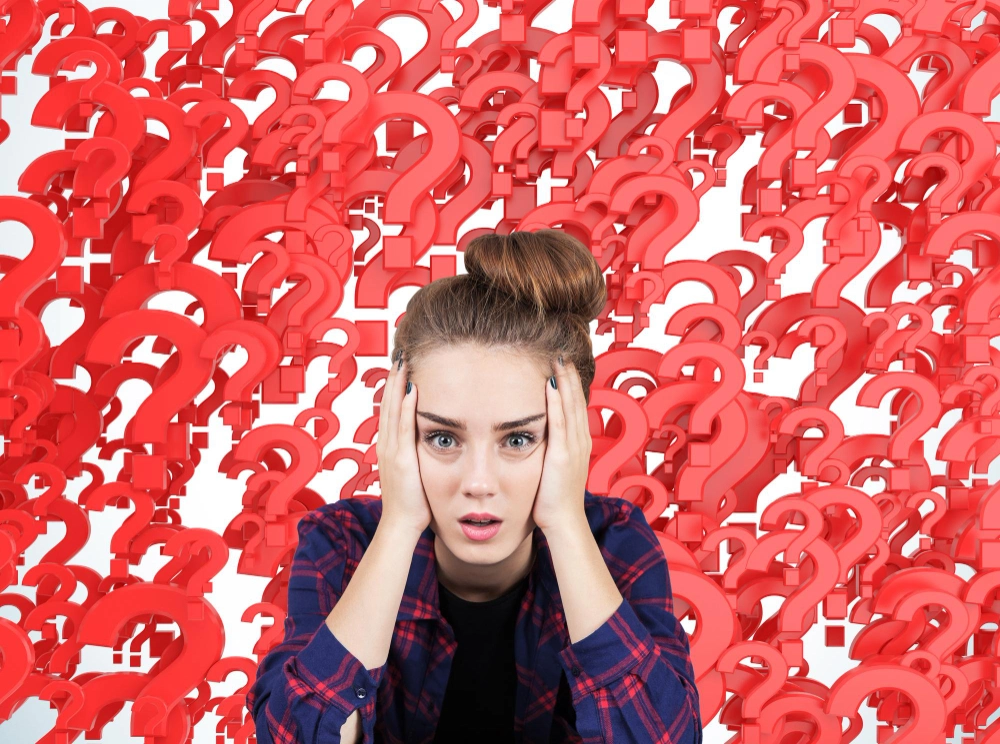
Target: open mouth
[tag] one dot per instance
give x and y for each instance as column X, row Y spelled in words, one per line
column 475, row 531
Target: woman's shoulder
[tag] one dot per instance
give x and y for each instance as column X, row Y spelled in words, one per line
column 621, row 527
column 356, row 517
column 610, row 512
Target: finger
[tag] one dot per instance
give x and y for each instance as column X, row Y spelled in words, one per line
column 398, row 388
column 383, row 415
column 568, row 402
column 556, row 416
column 408, row 407
column 583, row 424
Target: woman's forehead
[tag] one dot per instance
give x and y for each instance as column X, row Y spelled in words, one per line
column 497, row 426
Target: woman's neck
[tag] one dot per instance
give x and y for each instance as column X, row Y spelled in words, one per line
column 475, row 583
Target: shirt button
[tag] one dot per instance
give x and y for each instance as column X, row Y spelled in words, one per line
column 576, row 671
column 360, row 692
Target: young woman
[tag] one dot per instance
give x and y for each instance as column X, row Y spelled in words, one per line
column 553, row 622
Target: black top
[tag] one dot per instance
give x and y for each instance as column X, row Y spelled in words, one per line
column 479, row 699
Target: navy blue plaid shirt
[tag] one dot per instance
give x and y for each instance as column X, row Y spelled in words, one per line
column 631, row 679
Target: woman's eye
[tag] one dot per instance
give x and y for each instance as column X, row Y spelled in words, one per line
column 525, row 437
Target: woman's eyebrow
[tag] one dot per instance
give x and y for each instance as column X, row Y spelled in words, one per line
column 457, row 424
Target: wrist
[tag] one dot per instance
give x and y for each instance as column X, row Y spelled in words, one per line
column 399, row 530
column 570, row 527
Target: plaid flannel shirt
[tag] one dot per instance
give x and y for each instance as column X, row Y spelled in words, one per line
column 631, row 679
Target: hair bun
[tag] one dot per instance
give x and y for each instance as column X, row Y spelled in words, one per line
column 546, row 268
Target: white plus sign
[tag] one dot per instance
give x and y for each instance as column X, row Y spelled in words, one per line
column 85, row 260
column 963, row 736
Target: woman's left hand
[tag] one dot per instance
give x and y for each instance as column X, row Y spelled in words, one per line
column 560, row 497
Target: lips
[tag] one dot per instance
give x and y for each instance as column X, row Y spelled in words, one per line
column 482, row 533
column 482, row 517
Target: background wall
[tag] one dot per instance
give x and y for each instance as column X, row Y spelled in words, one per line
column 212, row 500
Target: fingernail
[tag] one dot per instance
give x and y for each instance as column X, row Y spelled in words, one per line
column 395, row 355
column 552, row 381
column 409, row 386
column 400, row 365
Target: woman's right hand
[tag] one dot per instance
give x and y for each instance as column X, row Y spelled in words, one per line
column 403, row 499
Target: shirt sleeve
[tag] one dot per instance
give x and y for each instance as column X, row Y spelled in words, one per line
column 632, row 678
column 308, row 685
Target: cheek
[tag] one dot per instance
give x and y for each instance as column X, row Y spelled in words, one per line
column 426, row 466
column 538, row 458
column 433, row 476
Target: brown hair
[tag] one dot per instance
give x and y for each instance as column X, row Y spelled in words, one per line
column 532, row 293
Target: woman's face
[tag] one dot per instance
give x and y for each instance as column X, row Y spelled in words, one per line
column 477, row 469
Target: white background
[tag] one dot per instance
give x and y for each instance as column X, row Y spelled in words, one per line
column 213, row 501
